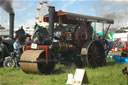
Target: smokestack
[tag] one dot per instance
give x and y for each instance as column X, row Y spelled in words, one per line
column 51, row 20
column 11, row 30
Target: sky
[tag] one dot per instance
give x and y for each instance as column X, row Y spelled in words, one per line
column 25, row 10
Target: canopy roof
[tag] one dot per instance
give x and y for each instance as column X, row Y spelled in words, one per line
column 72, row 18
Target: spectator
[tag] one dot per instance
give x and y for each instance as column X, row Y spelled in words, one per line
column 17, row 47
column 28, row 41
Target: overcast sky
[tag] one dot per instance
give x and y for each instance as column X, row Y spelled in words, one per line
column 25, row 10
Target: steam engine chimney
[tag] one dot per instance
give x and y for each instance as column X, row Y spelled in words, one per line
column 11, row 30
column 51, row 20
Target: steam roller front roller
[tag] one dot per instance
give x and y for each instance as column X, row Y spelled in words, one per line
column 34, row 61
column 93, row 54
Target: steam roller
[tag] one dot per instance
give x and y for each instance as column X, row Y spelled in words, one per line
column 72, row 40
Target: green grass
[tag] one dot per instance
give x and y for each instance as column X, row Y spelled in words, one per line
column 111, row 74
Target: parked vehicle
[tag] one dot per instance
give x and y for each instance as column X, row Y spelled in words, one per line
column 121, row 46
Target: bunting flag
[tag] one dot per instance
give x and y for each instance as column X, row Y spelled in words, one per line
column 45, row 2
column 38, row 9
column 109, row 36
column 36, row 18
column 41, row 3
column 47, row 6
column 40, row 19
column 41, row 11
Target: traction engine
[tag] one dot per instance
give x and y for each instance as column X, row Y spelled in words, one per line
column 69, row 39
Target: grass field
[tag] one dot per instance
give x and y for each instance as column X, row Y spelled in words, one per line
column 111, row 74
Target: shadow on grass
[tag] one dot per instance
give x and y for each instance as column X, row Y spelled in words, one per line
column 64, row 69
column 58, row 71
column 108, row 63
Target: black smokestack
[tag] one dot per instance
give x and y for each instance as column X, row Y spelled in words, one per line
column 7, row 5
column 51, row 20
column 11, row 30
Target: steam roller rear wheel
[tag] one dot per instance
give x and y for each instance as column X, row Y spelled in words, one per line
column 96, row 54
column 39, row 67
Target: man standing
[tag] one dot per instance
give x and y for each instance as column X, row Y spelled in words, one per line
column 17, row 47
column 28, row 41
column 18, row 50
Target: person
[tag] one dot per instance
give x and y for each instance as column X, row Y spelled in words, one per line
column 17, row 47
column 28, row 41
column 18, row 50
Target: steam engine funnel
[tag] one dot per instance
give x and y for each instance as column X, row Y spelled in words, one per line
column 11, row 30
column 51, row 20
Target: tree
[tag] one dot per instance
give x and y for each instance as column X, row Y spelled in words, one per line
column 1, row 27
column 124, row 28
